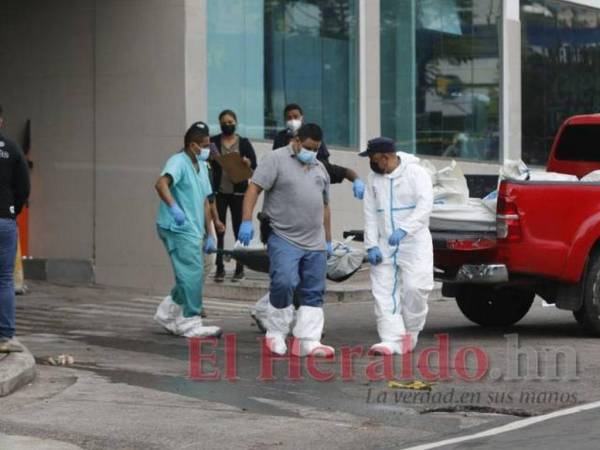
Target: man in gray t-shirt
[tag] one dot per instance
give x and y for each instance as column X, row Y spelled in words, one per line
column 296, row 201
column 295, row 197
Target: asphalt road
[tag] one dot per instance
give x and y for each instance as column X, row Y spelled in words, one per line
column 129, row 386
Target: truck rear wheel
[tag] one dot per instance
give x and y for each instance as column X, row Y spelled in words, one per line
column 588, row 316
column 490, row 307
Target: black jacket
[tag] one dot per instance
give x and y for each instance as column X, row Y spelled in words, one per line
column 14, row 179
column 337, row 174
column 246, row 151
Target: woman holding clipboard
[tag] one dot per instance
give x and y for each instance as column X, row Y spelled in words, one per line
column 230, row 193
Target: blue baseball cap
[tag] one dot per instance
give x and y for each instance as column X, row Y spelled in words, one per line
column 379, row 145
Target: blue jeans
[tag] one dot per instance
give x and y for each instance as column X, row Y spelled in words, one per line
column 8, row 253
column 292, row 267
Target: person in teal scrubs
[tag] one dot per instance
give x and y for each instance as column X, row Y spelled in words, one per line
column 183, row 224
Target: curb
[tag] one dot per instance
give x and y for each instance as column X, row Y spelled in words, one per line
column 16, row 370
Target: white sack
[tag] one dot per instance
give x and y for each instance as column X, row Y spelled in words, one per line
column 475, row 215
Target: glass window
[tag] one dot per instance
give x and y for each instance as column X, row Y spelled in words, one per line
column 264, row 54
column 560, row 70
column 440, row 76
column 235, row 42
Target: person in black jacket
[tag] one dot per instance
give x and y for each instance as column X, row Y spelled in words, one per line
column 294, row 118
column 14, row 191
column 230, row 196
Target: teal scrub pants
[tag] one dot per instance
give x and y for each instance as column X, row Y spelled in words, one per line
column 185, row 252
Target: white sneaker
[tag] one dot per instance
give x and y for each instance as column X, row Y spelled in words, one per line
column 276, row 343
column 166, row 313
column 303, row 348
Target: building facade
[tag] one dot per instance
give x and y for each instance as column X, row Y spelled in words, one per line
column 111, row 85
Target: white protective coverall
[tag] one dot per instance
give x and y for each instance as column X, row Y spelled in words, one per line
column 402, row 283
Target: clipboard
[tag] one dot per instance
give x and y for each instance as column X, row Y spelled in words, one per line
column 235, row 167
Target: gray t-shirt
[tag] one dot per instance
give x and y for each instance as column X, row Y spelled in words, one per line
column 295, row 195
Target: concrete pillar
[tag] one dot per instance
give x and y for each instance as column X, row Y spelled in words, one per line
column 141, row 115
column 370, row 109
column 511, row 81
column 195, row 61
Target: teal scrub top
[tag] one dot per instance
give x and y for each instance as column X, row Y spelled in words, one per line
column 189, row 188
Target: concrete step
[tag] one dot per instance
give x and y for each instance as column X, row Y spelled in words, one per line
column 16, row 370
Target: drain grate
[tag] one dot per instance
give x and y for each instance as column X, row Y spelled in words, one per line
column 479, row 409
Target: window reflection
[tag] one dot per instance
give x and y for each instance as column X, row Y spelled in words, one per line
column 264, row 54
column 560, row 70
column 440, row 76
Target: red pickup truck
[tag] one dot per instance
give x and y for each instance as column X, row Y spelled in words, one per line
column 547, row 242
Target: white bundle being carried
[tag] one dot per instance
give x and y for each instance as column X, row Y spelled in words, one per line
column 344, row 262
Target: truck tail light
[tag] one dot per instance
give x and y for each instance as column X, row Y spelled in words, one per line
column 508, row 224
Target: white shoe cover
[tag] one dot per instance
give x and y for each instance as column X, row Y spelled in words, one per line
column 277, row 323
column 304, row 348
column 385, row 348
column 406, row 345
column 166, row 313
column 307, row 333
column 276, row 343
column 191, row 327
column 259, row 312
column 170, row 315
column 414, row 338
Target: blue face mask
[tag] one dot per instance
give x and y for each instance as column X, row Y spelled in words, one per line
column 306, row 156
column 204, row 154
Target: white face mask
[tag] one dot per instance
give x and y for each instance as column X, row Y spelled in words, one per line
column 204, row 154
column 293, row 124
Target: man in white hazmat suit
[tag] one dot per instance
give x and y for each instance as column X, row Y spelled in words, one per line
column 397, row 204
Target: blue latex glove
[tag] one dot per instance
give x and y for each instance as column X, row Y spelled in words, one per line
column 177, row 213
column 246, row 232
column 329, row 249
column 396, row 237
column 374, row 256
column 359, row 188
column 209, row 244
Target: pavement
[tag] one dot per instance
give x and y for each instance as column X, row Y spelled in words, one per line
column 129, row 385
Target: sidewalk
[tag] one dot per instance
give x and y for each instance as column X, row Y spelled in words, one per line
column 27, row 443
column 256, row 284
column 16, row 370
